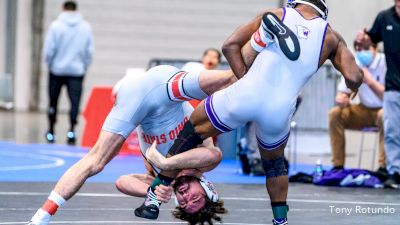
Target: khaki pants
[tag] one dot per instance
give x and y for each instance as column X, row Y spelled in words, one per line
column 353, row 117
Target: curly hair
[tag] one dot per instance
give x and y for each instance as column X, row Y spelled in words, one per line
column 207, row 215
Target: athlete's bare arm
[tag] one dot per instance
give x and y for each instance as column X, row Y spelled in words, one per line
column 336, row 50
column 237, row 49
column 214, row 80
column 204, row 158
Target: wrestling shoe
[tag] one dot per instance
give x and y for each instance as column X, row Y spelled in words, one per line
column 150, row 208
column 41, row 217
column 288, row 42
column 71, row 138
column 280, row 222
column 50, row 137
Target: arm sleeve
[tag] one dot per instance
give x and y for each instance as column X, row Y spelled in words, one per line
column 375, row 33
column 89, row 49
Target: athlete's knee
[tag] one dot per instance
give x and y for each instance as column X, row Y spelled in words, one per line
column 275, row 167
column 121, row 182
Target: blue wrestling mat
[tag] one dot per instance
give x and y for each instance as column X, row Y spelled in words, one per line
column 46, row 163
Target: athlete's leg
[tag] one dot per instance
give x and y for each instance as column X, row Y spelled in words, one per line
column 123, row 118
column 106, row 147
column 277, row 182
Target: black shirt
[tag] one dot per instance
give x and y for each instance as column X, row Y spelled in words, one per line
column 386, row 28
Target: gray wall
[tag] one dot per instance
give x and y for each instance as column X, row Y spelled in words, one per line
column 349, row 16
column 129, row 33
column 2, row 37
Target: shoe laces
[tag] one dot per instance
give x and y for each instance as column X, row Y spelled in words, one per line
column 151, row 198
column 280, row 222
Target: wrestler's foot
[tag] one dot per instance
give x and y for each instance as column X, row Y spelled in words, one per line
column 41, row 217
column 280, row 222
column 156, row 158
column 150, row 208
column 288, row 42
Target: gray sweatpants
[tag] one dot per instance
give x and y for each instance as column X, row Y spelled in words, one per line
column 391, row 106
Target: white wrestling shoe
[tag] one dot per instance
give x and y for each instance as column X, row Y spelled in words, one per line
column 41, row 217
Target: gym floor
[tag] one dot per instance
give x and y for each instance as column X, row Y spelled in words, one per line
column 28, row 173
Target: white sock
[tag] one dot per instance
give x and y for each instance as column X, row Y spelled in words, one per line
column 56, row 198
column 260, row 39
column 42, row 217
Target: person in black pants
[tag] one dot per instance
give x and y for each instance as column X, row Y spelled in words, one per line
column 68, row 51
column 386, row 29
column 74, row 88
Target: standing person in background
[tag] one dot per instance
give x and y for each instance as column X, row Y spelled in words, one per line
column 68, row 51
column 386, row 29
column 368, row 113
column 210, row 61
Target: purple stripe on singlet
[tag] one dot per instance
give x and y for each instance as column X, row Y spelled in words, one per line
column 213, row 117
column 273, row 145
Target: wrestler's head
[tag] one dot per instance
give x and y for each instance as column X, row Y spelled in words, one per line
column 196, row 200
column 211, row 58
column 319, row 5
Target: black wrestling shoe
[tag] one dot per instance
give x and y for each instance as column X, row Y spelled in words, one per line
column 288, row 42
column 150, row 208
column 148, row 212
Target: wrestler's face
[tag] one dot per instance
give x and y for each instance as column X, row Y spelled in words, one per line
column 190, row 195
column 210, row 60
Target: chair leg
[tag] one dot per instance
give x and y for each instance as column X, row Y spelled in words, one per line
column 374, row 150
column 361, row 149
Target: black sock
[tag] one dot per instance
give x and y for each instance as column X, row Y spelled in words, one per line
column 186, row 140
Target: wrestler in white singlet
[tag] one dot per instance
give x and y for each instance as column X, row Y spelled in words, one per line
column 267, row 93
column 155, row 102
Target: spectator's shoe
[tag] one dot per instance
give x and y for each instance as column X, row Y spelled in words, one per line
column 280, row 222
column 337, row 168
column 391, row 182
column 382, row 174
column 150, row 208
column 50, row 137
column 71, row 138
column 288, row 42
column 396, row 177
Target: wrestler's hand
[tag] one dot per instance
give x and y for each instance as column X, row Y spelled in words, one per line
column 163, row 193
column 155, row 157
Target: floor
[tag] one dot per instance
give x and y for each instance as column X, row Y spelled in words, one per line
column 29, row 169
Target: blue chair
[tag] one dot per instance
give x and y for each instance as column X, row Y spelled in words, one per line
column 364, row 131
